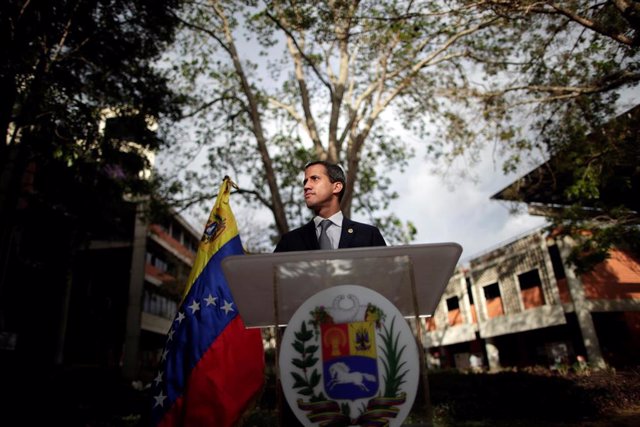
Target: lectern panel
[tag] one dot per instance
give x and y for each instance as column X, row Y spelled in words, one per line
column 261, row 282
column 295, row 282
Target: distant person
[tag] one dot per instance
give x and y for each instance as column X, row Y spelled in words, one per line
column 324, row 186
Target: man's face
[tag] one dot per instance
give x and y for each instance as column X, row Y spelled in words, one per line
column 318, row 189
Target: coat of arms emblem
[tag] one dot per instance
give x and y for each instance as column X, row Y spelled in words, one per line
column 349, row 358
column 215, row 226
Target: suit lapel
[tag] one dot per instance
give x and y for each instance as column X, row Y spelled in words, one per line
column 347, row 234
column 309, row 236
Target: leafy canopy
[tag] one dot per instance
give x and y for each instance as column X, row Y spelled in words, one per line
column 274, row 84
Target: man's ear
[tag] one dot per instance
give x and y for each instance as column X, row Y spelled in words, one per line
column 337, row 187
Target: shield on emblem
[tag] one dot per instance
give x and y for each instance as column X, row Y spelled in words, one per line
column 349, row 360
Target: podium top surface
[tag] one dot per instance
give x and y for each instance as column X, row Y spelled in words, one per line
column 268, row 288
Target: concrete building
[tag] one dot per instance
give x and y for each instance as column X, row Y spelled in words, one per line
column 521, row 304
column 125, row 293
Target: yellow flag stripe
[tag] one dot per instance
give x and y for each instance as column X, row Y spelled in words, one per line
column 223, row 216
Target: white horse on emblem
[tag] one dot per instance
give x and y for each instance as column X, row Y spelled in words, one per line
column 340, row 375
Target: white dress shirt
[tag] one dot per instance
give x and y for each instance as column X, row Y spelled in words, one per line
column 334, row 230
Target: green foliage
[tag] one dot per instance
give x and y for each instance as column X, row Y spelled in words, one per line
column 392, row 361
column 345, row 409
column 598, row 181
column 341, row 80
column 78, row 88
column 306, row 382
column 365, row 83
column 79, row 94
column 560, row 91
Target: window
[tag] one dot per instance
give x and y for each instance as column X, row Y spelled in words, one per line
column 492, row 291
column 531, row 289
column 156, row 261
column 556, row 261
column 494, row 300
column 160, row 264
column 176, row 233
column 192, row 245
column 529, row 280
column 474, row 313
column 159, row 305
column 454, row 314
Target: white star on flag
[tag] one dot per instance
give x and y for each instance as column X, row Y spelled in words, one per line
column 211, row 300
column 158, row 378
column 180, row 317
column 227, row 307
column 170, row 335
column 159, row 399
column 195, row 306
column 164, row 354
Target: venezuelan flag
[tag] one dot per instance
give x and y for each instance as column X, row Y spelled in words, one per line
column 212, row 367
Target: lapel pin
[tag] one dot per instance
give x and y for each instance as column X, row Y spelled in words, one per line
column 350, row 230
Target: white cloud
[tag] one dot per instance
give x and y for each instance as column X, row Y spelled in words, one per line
column 460, row 212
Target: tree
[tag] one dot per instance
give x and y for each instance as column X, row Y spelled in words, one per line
column 574, row 62
column 68, row 66
column 352, row 76
column 357, row 77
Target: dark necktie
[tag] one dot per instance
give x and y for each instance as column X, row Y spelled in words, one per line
column 324, row 241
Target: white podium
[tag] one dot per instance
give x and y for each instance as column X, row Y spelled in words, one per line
column 269, row 288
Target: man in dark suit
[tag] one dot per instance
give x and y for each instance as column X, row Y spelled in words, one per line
column 324, row 186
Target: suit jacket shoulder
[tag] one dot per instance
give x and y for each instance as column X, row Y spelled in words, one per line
column 358, row 235
column 300, row 239
column 354, row 235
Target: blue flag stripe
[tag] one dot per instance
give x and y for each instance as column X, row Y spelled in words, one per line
column 204, row 320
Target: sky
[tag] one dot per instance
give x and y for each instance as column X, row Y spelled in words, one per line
column 461, row 211
column 443, row 209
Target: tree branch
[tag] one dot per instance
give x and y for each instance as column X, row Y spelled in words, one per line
column 257, row 195
column 214, row 35
column 300, row 51
column 256, row 121
column 206, row 105
column 588, row 23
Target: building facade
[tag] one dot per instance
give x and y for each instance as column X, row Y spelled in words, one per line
column 521, row 305
column 124, row 294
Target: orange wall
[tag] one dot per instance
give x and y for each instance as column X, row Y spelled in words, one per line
column 494, row 307
column 455, row 317
column 532, row 297
column 616, row 278
column 156, row 229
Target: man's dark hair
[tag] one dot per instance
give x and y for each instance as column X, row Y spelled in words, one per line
column 335, row 172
